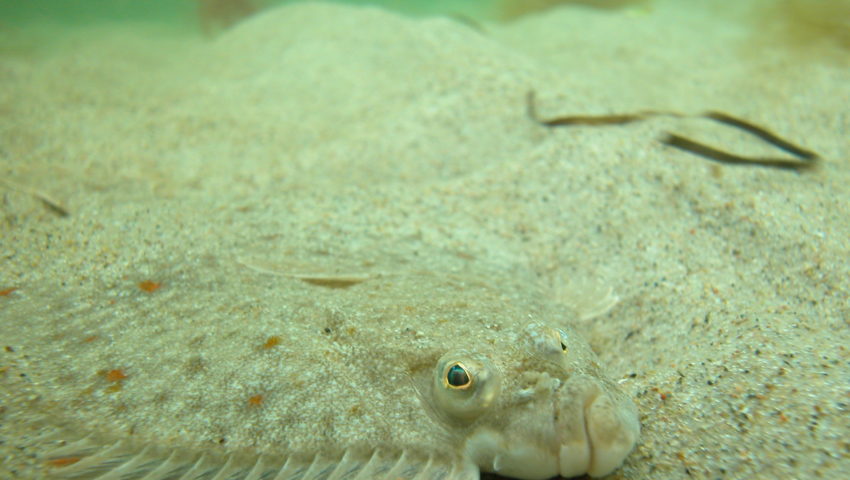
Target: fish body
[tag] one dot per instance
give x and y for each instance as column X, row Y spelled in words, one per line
column 440, row 369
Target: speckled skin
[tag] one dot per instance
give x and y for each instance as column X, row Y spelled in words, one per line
column 351, row 370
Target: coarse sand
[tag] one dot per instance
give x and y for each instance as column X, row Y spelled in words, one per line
column 341, row 127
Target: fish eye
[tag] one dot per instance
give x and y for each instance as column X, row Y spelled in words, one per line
column 549, row 342
column 563, row 341
column 465, row 385
column 457, row 376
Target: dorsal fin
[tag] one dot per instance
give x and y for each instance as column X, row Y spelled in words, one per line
column 83, row 460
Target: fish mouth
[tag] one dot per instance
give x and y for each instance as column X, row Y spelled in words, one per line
column 591, row 431
column 597, row 432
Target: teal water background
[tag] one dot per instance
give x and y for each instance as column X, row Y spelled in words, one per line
column 184, row 11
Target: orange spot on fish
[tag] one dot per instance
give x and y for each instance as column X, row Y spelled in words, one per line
column 6, row 291
column 272, row 341
column 255, row 401
column 149, row 286
column 115, row 375
column 63, row 462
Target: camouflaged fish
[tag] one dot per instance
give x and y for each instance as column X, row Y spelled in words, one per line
column 217, row 371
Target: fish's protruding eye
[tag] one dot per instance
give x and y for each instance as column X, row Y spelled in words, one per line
column 458, row 377
column 549, row 342
column 563, row 341
column 465, row 385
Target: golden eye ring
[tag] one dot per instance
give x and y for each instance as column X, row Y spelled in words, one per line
column 457, row 377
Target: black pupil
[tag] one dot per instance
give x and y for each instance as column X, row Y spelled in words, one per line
column 457, row 376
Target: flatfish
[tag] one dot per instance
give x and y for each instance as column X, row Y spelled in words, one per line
column 367, row 362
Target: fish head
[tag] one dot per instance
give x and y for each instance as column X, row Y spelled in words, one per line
column 536, row 408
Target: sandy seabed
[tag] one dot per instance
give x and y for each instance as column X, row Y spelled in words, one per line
column 732, row 329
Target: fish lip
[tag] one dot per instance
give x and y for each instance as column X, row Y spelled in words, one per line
column 575, row 455
column 599, row 441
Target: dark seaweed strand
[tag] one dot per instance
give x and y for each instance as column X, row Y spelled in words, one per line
column 720, row 156
column 578, row 120
column 689, row 145
column 591, row 120
column 55, row 207
column 762, row 133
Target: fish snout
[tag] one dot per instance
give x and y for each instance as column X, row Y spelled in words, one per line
column 597, row 428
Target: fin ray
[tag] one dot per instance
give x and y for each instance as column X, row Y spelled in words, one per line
column 121, row 461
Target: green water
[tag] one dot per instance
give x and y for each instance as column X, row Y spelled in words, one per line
column 816, row 28
column 184, row 11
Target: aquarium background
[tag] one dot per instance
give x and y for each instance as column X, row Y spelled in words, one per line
column 183, row 10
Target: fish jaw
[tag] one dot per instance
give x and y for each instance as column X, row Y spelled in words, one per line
column 591, row 431
column 598, row 428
